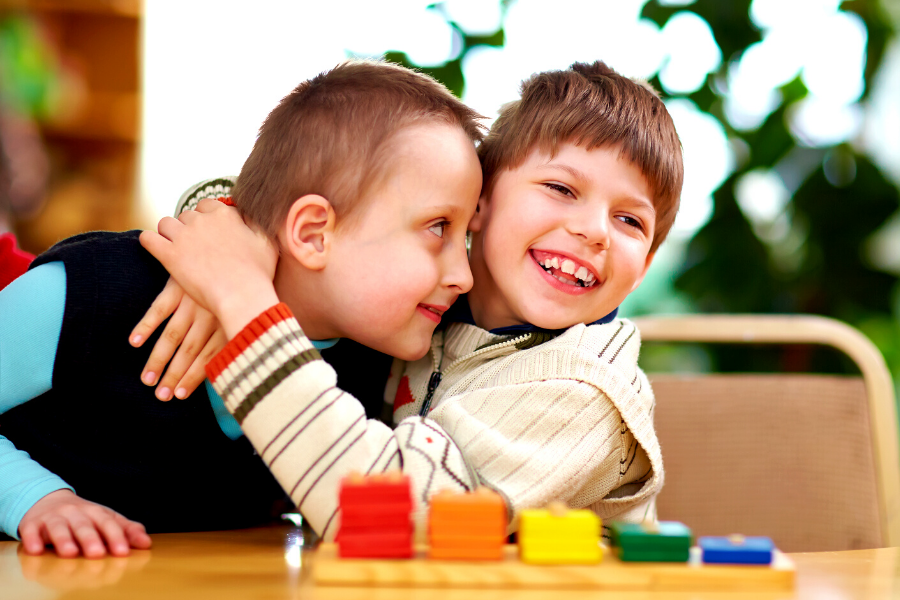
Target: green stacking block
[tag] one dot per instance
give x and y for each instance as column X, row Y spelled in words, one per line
column 640, row 543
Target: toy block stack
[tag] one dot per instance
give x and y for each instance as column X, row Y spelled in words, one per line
column 665, row 541
column 556, row 535
column 467, row 526
column 375, row 517
column 737, row 550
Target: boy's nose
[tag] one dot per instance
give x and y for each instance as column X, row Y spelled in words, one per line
column 457, row 273
column 591, row 226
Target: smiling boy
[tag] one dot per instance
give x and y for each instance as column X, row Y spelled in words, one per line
column 533, row 388
column 364, row 179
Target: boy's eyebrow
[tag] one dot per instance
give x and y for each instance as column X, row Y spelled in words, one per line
column 581, row 177
column 450, row 210
column 576, row 173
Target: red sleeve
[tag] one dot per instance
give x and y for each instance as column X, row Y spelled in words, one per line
column 13, row 260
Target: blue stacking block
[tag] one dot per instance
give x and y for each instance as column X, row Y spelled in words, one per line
column 737, row 550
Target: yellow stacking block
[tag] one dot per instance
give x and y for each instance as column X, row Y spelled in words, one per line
column 559, row 536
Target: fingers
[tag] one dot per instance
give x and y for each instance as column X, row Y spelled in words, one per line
column 74, row 526
column 172, row 337
column 114, row 535
column 197, row 371
column 86, row 532
column 208, row 205
column 135, row 533
column 202, row 326
column 155, row 244
column 163, row 306
column 169, row 227
column 32, row 541
column 59, row 535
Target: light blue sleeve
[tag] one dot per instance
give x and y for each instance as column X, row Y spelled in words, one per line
column 31, row 314
column 227, row 423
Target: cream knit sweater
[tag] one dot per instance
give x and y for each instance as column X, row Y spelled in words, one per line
column 570, row 419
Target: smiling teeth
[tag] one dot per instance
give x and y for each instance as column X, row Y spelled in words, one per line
column 569, row 267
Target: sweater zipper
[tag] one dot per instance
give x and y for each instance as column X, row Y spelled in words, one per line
column 436, row 375
column 433, row 383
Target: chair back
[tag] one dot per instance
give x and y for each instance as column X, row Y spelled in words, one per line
column 809, row 460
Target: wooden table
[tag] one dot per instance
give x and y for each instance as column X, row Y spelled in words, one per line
column 270, row 564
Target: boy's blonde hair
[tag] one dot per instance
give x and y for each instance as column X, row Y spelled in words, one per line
column 590, row 105
column 329, row 137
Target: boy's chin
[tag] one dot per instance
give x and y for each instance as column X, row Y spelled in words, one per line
column 564, row 320
column 408, row 351
column 410, row 355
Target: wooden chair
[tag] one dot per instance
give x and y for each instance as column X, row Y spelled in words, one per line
column 809, row 460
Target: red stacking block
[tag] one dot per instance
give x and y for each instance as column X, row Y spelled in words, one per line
column 375, row 517
column 375, row 545
column 376, row 489
column 358, row 518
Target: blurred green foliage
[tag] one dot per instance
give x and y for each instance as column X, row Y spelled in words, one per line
column 841, row 201
column 28, row 67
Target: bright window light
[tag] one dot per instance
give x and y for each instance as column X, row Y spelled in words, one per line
column 816, row 121
column 478, row 17
column 693, row 53
column 762, row 196
column 771, row 13
column 837, row 57
column 707, row 163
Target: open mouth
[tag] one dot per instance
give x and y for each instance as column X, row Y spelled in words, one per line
column 565, row 269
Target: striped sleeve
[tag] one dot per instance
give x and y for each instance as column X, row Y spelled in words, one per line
column 311, row 434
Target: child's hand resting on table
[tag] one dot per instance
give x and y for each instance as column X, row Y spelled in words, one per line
column 192, row 334
column 224, row 265
column 74, row 526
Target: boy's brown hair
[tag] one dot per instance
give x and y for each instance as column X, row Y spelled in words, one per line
column 329, row 137
column 590, row 105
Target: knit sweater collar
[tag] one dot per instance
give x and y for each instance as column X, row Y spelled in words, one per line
column 460, row 312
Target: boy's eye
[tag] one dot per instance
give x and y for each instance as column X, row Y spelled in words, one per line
column 559, row 188
column 438, row 228
column 631, row 221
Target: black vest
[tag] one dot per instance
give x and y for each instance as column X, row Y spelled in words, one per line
column 165, row 464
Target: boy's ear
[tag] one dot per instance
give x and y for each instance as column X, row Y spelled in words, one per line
column 647, row 264
column 477, row 221
column 308, row 230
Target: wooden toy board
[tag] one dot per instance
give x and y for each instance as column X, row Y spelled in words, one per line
column 328, row 569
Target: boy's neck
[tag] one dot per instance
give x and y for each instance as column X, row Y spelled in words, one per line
column 297, row 287
column 482, row 303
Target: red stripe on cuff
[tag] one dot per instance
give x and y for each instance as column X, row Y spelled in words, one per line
column 249, row 334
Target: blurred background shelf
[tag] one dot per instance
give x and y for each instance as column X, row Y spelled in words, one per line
column 91, row 127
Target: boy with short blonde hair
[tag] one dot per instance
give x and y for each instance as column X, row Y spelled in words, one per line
column 360, row 177
column 533, row 388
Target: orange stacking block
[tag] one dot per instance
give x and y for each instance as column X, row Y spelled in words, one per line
column 467, row 526
column 375, row 517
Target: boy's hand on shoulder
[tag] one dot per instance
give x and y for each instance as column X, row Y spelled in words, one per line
column 223, row 264
column 75, row 526
column 192, row 335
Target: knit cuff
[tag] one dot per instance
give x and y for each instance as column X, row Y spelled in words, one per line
column 264, row 353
